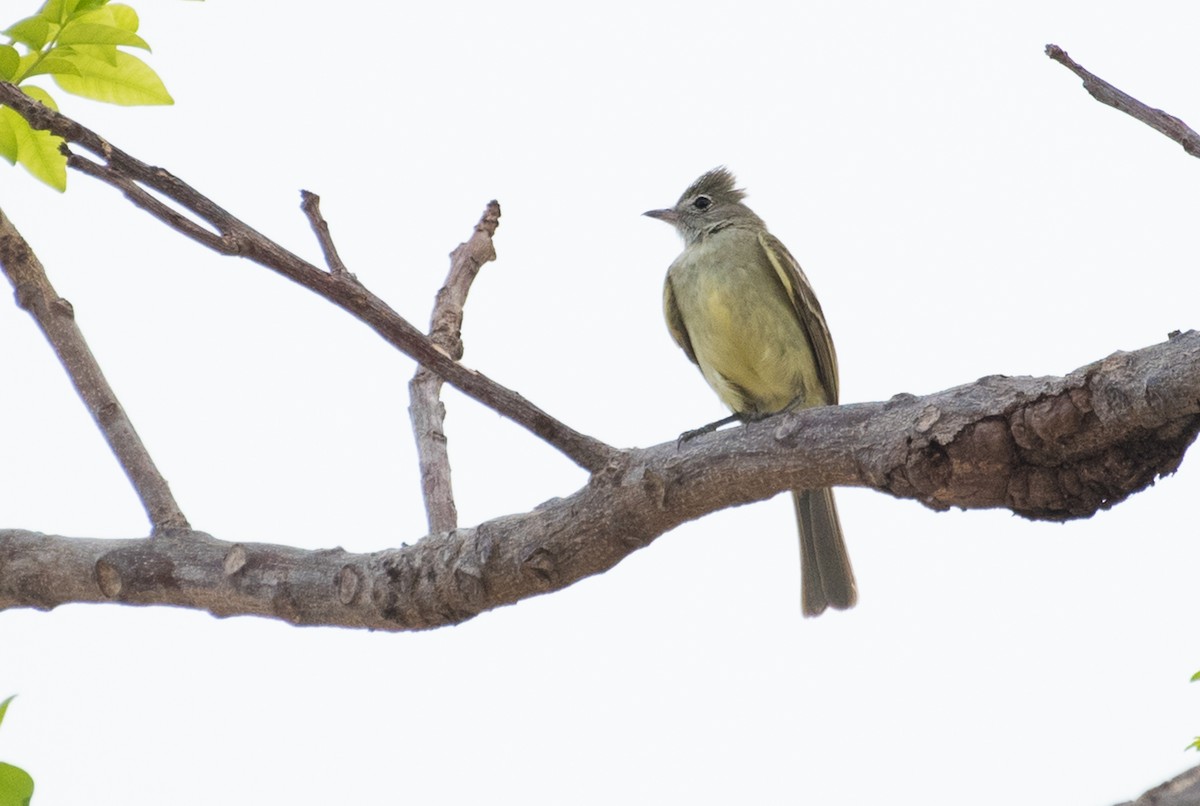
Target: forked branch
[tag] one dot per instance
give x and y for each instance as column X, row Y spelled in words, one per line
column 226, row 234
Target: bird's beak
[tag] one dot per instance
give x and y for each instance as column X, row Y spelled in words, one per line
column 670, row 216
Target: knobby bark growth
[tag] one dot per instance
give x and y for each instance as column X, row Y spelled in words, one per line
column 1045, row 448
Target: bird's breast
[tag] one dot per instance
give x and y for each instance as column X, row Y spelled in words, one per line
column 743, row 329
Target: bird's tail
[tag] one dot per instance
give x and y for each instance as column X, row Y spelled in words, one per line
column 826, row 579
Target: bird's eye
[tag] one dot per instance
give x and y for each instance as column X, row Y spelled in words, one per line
column 702, row 203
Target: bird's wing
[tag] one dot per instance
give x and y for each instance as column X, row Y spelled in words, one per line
column 808, row 310
column 675, row 322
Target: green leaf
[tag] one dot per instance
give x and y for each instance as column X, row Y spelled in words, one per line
column 124, row 17
column 56, row 10
column 1196, row 677
column 33, row 32
column 54, row 66
column 41, row 96
column 27, row 61
column 8, row 150
column 98, row 16
column 16, row 786
column 88, row 5
column 10, row 61
column 130, row 82
column 114, row 16
column 37, row 151
column 105, row 53
column 90, row 33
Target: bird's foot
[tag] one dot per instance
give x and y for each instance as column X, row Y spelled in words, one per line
column 687, row 436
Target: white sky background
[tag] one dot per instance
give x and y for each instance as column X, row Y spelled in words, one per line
column 962, row 207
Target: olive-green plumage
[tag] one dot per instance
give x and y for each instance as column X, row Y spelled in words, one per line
column 739, row 305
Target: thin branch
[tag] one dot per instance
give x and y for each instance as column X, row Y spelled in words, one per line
column 153, row 205
column 1046, row 448
column 238, row 238
column 56, row 318
column 1106, row 93
column 445, row 330
column 310, row 203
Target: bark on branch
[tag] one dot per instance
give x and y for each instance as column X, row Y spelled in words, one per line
column 1182, row 790
column 1046, row 448
column 55, row 317
column 425, row 389
column 1106, row 93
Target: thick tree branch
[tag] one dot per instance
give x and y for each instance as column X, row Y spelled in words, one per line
column 1182, row 790
column 231, row 236
column 425, row 405
column 1106, row 93
column 1046, row 448
column 56, row 318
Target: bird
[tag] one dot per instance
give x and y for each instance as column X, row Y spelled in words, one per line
column 743, row 311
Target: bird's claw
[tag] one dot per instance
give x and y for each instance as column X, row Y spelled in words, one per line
column 706, row 429
column 688, row 436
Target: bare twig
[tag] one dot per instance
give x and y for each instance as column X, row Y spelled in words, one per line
column 425, row 406
column 1106, row 93
column 235, row 237
column 1045, row 448
column 310, row 203
column 56, row 318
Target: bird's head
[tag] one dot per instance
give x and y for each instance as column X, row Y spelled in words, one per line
column 713, row 202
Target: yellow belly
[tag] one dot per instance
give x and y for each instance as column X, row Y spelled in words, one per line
column 751, row 348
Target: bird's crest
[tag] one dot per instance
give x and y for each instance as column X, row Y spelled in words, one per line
column 718, row 183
